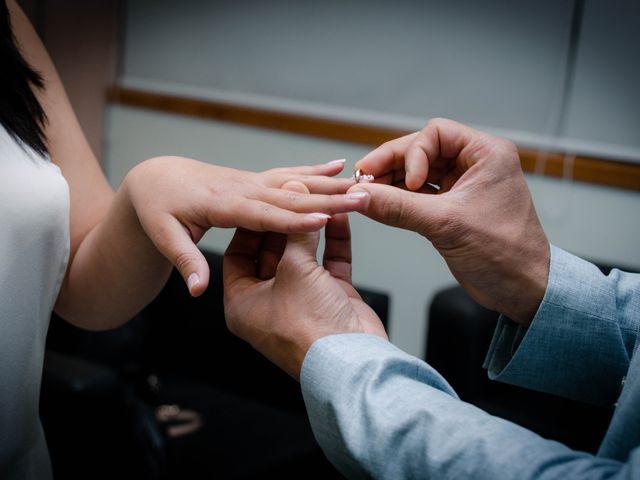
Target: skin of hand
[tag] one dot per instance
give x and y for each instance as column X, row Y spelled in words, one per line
column 280, row 300
column 120, row 242
column 481, row 219
column 178, row 199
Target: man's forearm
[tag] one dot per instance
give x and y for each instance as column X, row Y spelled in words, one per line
column 378, row 412
column 581, row 339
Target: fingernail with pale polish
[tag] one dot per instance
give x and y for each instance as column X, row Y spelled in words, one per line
column 340, row 161
column 357, row 195
column 192, row 281
column 321, row 216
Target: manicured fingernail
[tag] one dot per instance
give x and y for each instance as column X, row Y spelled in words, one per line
column 357, row 195
column 340, row 161
column 192, row 281
column 321, row 216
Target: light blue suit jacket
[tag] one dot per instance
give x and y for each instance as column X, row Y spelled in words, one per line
column 379, row 412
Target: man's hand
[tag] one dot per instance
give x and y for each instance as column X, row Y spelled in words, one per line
column 280, row 300
column 465, row 192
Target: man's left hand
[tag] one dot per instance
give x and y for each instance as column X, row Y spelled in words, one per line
column 280, row 300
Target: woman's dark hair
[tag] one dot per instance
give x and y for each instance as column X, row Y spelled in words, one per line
column 20, row 112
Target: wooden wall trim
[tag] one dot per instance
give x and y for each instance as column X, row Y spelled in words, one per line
column 600, row 171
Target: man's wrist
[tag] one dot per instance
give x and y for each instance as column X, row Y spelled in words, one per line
column 531, row 287
column 291, row 352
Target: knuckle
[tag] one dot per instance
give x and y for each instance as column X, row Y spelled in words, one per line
column 419, row 145
column 292, row 225
column 386, row 145
column 509, row 146
column 391, row 210
column 160, row 235
column 511, row 151
column 435, row 122
column 291, row 196
column 386, row 149
column 183, row 260
column 263, row 221
column 507, row 152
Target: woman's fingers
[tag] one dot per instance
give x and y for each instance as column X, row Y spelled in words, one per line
column 301, row 202
column 324, row 185
column 173, row 240
column 262, row 216
column 315, row 183
column 330, row 168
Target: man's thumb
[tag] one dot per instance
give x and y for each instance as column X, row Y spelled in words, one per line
column 301, row 247
column 401, row 208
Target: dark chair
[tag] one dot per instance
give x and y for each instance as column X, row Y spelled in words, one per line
column 459, row 335
column 101, row 392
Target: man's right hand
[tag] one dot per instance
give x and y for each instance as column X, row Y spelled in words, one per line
column 481, row 220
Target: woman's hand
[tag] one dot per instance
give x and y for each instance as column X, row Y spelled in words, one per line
column 280, row 300
column 178, row 199
column 164, row 205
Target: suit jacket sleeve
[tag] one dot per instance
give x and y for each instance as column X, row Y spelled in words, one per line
column 379, row 412
column 582, row 338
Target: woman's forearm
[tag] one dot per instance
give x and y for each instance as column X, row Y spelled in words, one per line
column 115, row 271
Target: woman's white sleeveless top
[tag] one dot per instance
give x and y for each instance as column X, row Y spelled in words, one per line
column 34, row 249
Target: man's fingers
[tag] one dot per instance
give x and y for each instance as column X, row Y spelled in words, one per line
column 402, row 208
column 441, row 145
column 301, row 248
column 273, row 244
column 239, row 263
column 175, row 243
column 416, row 165
column 406, row 156
column 271, row 251
column 337, row 249
column 386, row 158
column 446, row 145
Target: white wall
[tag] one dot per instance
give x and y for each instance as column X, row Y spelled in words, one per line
column 497, row 64
column 595, row 222
column 605, row 106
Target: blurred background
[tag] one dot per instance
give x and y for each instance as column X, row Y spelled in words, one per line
column 258, row 84
column 557, row 76
column 498, row 65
